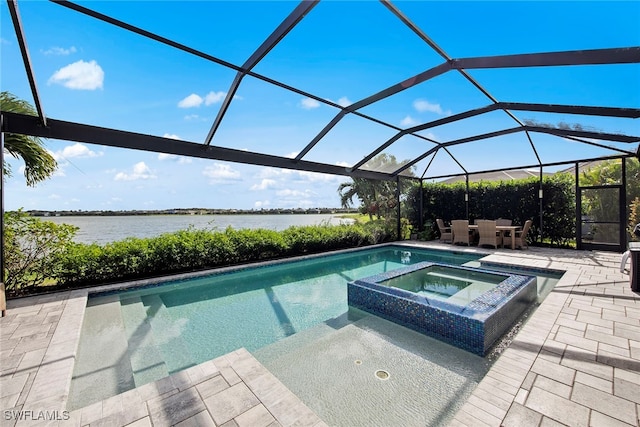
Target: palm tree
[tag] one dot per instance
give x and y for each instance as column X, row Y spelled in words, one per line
column 375, row 196
column 364, row 190
column 39, row 163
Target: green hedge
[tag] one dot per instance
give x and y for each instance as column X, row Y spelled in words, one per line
column 191, row 250
column 516, row 200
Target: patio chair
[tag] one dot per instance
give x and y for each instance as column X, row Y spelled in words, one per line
column 502, row 221
column 446, row 235
column 460, row 229
column 521, row 236
column 488, row 234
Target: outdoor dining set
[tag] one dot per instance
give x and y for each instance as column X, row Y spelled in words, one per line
column 495, row 233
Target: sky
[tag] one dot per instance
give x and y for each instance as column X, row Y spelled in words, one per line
column 91, row 72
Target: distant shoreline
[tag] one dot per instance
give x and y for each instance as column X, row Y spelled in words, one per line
column 193, row 211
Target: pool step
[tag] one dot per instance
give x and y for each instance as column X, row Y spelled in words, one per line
column 168, row 334
column 107, row 348
column 146, row 358
column 308, row 337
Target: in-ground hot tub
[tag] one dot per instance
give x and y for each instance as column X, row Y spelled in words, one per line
column 467, row 307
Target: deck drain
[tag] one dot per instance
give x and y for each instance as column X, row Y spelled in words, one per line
column 358, row 362
column 382, row 375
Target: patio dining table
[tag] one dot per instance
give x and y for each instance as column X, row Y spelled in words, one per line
column 502, row 228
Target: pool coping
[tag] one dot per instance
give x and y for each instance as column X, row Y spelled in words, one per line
column 561, row 366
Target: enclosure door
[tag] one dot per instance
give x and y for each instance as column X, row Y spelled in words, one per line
column 601, row 222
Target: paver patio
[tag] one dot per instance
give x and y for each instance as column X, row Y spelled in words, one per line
column 576, row 361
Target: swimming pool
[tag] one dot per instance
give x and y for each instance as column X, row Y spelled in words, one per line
column 136, row 336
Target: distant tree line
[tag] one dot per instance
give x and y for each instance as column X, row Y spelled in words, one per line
column 193, row 211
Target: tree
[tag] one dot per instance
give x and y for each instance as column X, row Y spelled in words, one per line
column 597, row 203
column 362, row 189
column 610, row 172
column 39, row 163
column 376, row 197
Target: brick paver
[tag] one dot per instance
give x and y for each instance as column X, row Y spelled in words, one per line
column 586, row 371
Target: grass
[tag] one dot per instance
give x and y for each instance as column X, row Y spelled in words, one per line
column 357, row 217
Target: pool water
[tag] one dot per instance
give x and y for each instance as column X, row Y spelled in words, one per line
column 444, row 283
column 285, row 310
column 134, row 337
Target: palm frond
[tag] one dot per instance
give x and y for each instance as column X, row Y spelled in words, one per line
column 39, row 163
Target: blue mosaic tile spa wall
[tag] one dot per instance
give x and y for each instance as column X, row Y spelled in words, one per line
column 474, row 327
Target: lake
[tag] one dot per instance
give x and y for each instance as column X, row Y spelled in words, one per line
column 105, row 229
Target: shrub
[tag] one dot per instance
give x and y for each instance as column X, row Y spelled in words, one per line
column 31, row 247
column 634, row 218
column 517, row 200
column 189, row 250
column 254, row 245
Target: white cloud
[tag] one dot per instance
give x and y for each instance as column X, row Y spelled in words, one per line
column 174, row 158
column 264, row 184
column 294, row 193
column 430, row 136
column 220, row 173
column 408, row 121
column 309, row 104
column 195, row 100
column 79, row 75
column 344, row 101
column 318, row 177
column 292, row 155
column 112, row 200
column 305, row 203
column 422, row 105
column 191, row 101
column 298, row 176
column 344, row 164
column 214, row 97
column 192, row 117
column 54, row 196
column 267, row 172
column 140, row 171
column 76, row 150
column 56, row 50
column 261, row 204
column 165, row 156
